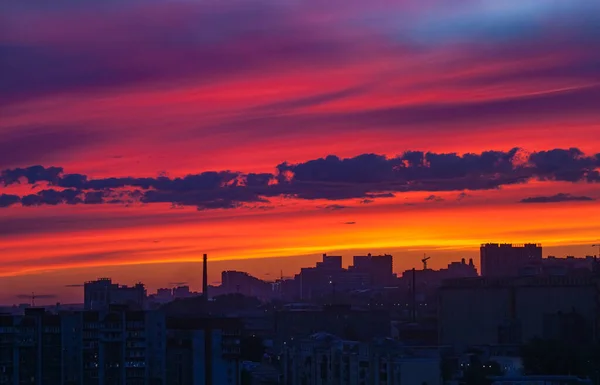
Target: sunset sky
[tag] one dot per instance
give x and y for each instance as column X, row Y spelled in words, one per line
column 137, row 135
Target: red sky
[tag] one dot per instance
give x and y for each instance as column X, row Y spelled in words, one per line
column 161, row 90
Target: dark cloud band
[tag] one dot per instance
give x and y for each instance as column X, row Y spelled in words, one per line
column 366, row 176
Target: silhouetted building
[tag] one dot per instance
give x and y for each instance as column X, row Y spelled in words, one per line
column 322, row 280
column 99, row 294
column 324, row 359
column 379, row 268
column 512, row 311
column 203, row 351
column 429, row 279
column 506, row 260
column 121, row 346
column 163, row 295
column 243, row 283
column 30, row 348
column 182, row 292
column 361, row 325
column 92, row 348
column 564, row 266
column 328, row 277
column 331, row 262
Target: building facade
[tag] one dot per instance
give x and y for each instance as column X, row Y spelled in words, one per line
column 203, row 351
column 507, row 260
column 30, row 348
column 512, row 311
column 118, row 346
column 379, row 268
column 324, row 359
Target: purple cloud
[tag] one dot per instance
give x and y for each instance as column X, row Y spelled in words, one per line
column 367, row 176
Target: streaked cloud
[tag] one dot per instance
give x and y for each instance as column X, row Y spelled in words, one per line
column 561, row 197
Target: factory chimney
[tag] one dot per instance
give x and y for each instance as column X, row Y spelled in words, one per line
column 205, row 277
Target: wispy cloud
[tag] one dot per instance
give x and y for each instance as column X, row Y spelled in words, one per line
column 561, row 197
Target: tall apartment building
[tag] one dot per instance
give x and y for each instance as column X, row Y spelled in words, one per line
column 507, row 260
column 116, row 347
column 203, row 351
column 324, row 359
column 30, row 348
column 119, row 346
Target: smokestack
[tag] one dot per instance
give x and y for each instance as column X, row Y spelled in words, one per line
column 205, row 277
column 414, row 296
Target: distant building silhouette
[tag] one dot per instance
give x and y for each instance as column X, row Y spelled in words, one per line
column 506, row 260
column 99, row 294
column 298, row 320
column 243, row 283
column 379, row 268
column 329, row 277
column 432, row 279
column 330, row 262
column 182, row 292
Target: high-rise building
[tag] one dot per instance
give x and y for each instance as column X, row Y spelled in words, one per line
column 330, row 262
column 380, row 268
column 117, row 346
column 101, row 293
column 203, row 351
column 30, row 348
column 506, row 260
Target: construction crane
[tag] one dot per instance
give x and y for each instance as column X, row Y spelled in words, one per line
column 33, row 296
column 424, row 260
column 598, row 246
